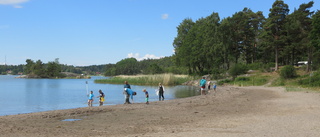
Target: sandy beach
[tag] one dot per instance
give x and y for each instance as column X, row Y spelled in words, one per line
column 230, row 111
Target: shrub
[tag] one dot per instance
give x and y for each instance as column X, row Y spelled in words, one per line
column 288, row 72
column 242, row 79
column 237, row 69
column 255, row 66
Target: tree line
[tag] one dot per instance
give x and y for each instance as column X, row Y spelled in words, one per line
column 131, row 66
column 128, row 66
column 211, row 46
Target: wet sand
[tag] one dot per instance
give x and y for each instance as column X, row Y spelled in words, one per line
column 228, row 112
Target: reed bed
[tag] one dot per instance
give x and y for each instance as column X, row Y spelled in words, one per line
column 165, row 79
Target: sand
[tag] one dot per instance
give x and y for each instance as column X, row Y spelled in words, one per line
column 229, row 112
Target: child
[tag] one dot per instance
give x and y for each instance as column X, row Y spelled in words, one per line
column 90, row 100
column 214, row 86
column 101, row 97
column 147, row 96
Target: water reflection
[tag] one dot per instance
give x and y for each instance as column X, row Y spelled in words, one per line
column 186, row 91
column 34, row 95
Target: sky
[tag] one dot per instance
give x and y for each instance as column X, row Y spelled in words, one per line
column 95, row 32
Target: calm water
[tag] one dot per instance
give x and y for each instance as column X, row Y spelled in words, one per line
column 34, row 95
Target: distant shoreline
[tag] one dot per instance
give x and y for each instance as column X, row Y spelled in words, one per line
column 68, row 77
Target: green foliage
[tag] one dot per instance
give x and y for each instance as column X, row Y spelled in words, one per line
column 165, row 79
column 255, row 66
column 312, row 80
column 288, row 72
column 254, row 80
column 40, row 70
column 217, row 73
column 153, row 69
column 127, row 66
column 242, row 79
column 209, row 45
column 221, row 82
column 237, row 69
column 11, row 69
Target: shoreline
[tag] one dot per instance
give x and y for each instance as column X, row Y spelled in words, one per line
column 231, row 111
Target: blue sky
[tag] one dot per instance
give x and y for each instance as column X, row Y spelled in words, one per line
column 94, row 32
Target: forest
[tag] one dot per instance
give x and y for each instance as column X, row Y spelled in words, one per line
column 211, row 45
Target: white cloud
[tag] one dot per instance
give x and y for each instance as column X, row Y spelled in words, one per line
column 165, row 16
column 147, row 56
column 14, row 3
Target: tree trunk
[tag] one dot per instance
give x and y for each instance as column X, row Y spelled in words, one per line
column 309, row 59
column 276, row 59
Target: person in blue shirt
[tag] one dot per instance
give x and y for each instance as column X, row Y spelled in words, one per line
column 90, row 100
column 214, row 86
column 203, row 85
column 128, row 92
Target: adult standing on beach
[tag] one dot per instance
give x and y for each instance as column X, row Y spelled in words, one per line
column 161, row 91
column 126, row 86
column 203, row 85
column 101, row 97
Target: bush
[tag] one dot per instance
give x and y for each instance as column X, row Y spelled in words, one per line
column 288, row 72
column 242, row 79
column 255, row 66
column 237, row 69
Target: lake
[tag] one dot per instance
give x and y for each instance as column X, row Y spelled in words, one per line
column 19, row 95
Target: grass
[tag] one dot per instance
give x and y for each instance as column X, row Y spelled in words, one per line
column 165, row 79
column 292, row 85
column 255, row 79
column 258, row 79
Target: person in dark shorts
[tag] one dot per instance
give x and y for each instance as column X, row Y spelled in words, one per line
column 161, row 91
column 101, row 98
column 126, row 86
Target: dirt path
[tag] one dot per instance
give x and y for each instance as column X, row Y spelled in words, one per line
column 231, row 111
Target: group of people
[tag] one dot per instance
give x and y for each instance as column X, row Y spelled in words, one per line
column 128, row 94
column 203, row 83
column 91, row 96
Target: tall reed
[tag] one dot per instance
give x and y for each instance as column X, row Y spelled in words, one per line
column 165, row 79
